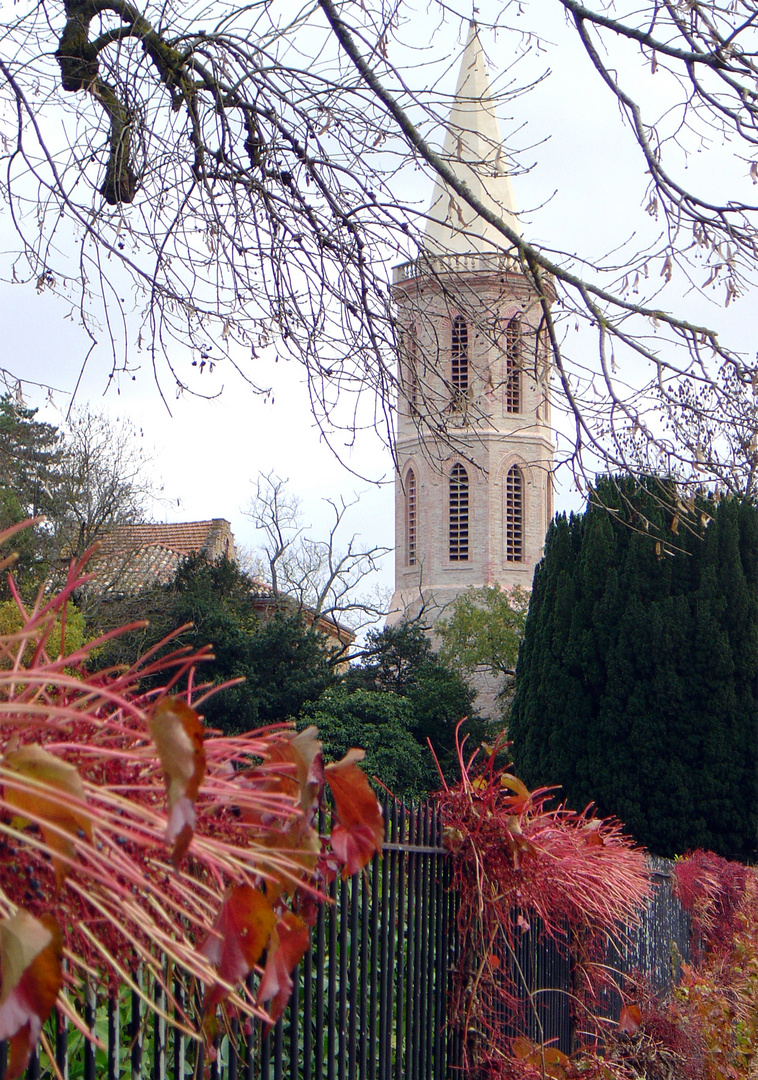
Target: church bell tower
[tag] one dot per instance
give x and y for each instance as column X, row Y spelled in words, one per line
column 474, row 446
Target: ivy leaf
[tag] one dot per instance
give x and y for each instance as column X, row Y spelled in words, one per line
column 31, row 952
column 59, row 811
column 238, row 938
column 289, row 941
column 359, row 833
column 178, row 737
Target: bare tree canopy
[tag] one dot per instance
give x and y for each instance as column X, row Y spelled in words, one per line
column 246, row 170
column 328, row 577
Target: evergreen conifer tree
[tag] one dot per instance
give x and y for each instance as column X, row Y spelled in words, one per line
column 638, row 676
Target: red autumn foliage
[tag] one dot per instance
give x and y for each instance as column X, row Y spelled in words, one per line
column 710, row 1022
column 290, row 940
column 359, row 831
column 31, row 955
column 142, row 834
column 523, row 864
column 711, row 889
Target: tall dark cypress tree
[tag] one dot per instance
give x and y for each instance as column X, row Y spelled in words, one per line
column 637, row 682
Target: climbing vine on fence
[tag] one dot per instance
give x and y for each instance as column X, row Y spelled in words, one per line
column 523, row 865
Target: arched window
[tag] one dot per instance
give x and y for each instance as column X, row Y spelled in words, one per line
column 513, row 365
column 514, row 515
column 411, row 520
column 459, row 357
column 458, row 541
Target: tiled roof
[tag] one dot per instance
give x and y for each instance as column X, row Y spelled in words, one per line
column 182, row 537
column 134, row 557
column 127, row 572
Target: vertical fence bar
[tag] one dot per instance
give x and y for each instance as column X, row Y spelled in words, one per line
column 135, row 1032
column 320, row 976
column 454, row 1058
column 294, row 1025
column 376, row 974
column 178, row 1036
column 114, row 1030
column 388, row 921
column 354, row 1023
column 443, row 935
column 344, row 909
column 278, row 1049
column 90, row 1007
column 235, row 1045
column 250, row 1031
column 331, row 1012
column 265, row 1045
column 414, row 911
column 159, row 1034
column 426, row 971
column 364, row 886
column 61, row 1046
column 308, row 1014
column 400, row 966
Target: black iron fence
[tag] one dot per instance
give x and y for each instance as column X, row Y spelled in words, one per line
column 369, row 1000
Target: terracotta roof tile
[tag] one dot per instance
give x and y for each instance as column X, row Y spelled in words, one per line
column 183, row 537
column 134, row 557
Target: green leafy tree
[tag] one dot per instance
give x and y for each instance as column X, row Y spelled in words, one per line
column 484, row 630
column 400, row 660
column 82, row 481
column 481, row 638
column 30, row 461
column 283, row 661
column 636, row 682
column 380, row 722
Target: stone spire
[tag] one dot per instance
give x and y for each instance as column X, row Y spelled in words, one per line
column 473, row 149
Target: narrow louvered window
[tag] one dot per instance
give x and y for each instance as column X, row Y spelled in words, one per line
column 459, row 356
column 514, row 516
column 410, row 516
column 458, row 546
column 513, row 365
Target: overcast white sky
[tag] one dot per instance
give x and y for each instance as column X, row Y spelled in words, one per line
column 205, row 452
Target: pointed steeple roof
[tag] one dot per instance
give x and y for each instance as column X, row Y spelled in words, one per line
column 473, row 149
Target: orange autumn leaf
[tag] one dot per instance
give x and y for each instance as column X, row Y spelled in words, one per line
column 552, row 1056
column 294, row 767
column 359, row 833
column 548, row 1058
column 178, row 736
column 293, row 771
column 522, row 1048
column 239, row 936
column 31, row 952
column 508, row 780
column 50, row 800
column 289, row 942
column 630, row 1019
